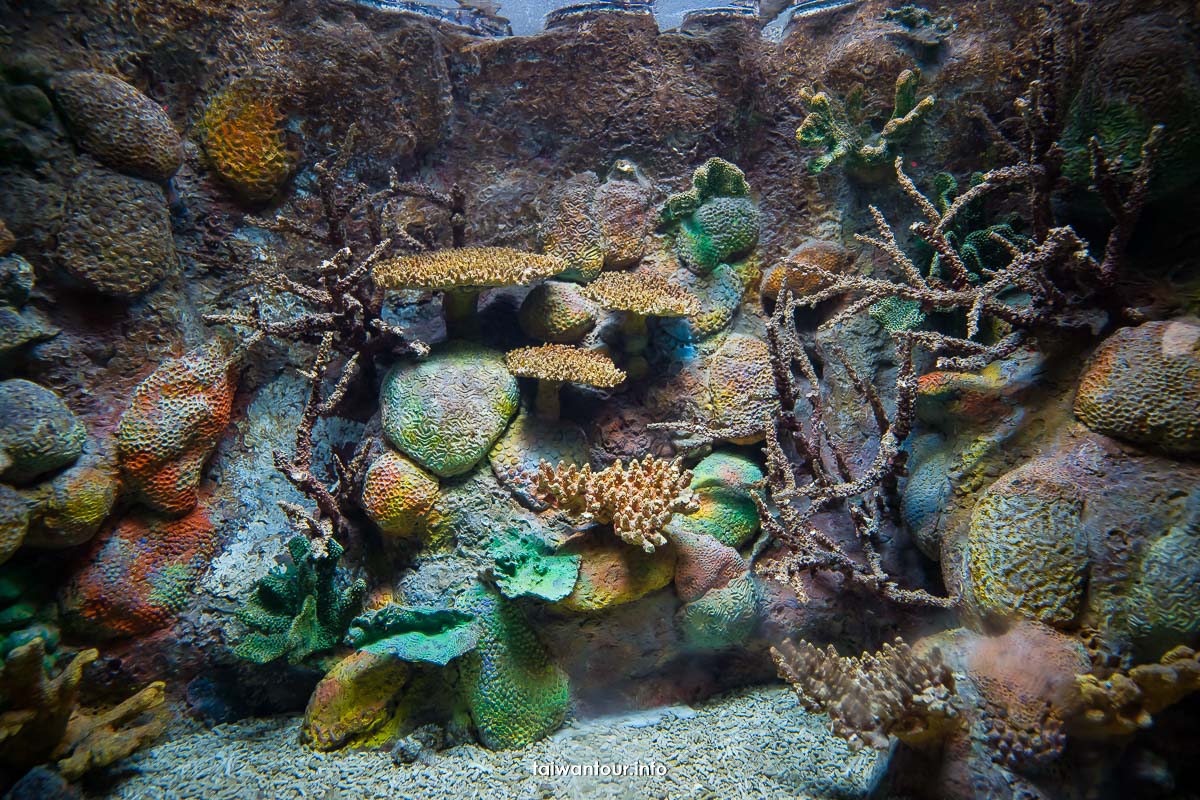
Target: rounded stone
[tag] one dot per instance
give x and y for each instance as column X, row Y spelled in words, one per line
column 446, row 412
column 119, row 125
column 69, row 509
column 38, row 433
column 116, row 235
column 14, row 521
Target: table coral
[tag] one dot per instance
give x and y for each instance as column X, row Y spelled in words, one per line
column 637, row 499
column 515, row 693
column 172, row 425
column 1143, row 385
column 137, row 576
column 115, row 238
column 716, row 219
column 556, row 364
column 297, row 611
column 571, row 231
column 241, row 132
column 119, row 125
column 398, row 495
column 1026, row 554
column 430, row 635
column 38, row 433
column 445, row 413
column 639, row 295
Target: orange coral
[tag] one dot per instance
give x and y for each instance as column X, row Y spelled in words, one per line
column 139, row 575
column 398, row 495
column 172, row 425
column 805, row 270
column 244, row 141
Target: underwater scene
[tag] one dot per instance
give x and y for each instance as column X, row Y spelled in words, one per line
column 612, row 399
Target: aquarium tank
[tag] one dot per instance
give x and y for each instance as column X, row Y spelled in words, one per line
column 531, row 399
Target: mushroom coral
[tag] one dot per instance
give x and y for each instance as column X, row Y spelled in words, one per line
column 556, row 364
column 639, row 295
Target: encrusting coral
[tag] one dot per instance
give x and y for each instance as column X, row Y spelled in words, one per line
column 398, row 495
column 556, row 364
column 1124, row 702
column 38, row 433
column 838, row 126
column 119, row 125
column 869, row 698
column 805, row 270
column 637, row 499
column 524, row 566
column 297, row 611
column 172, row 424
column 241, row 132
column 714, row 221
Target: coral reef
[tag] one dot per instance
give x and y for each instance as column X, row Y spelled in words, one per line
column 445, row 413
column 623, row 210
column 804, row 270
column 716, row 218
column 1126, row 701
column 298, row 611
column 637, row 499
column 571, row 231
column 526, row 567
column 556, row 364
column 398, row 495
column 39, row 434
column 723, row 485
column 353, row 701
column 611, row 573
column 1143, row 385
column 172, row 424
column 136, row 577
column 838, row 127
column 120, row 126
column 430, row 635
column 241, row 132
column 556, row 312
column 528, row 441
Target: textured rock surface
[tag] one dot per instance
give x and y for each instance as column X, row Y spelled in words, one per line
column 38, row 433
column 446, row 412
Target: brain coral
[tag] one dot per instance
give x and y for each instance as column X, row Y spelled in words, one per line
column 38, row 433
column 173, row 423
column 741, row 388
column 1164, row 612
column 119, row 125
column 445, row 413
column 612, row 573
column 715, row 219
column 398, row 495
column 555, row 311
column 14, row 521
column 242, row 137
column 527, row 442
column 116, row 234
column 136, row 577
column 623, row 211
column 1026, row 553
column 1143, row 385
column 723, row 617
column 514, row 692
column 722, row 484
column 718, row 295
column 571, row 231
column 68, row 509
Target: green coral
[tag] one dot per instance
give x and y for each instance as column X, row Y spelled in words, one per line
column 1164, row 611
column 433, row 635
column 715, row 220
column 895, row 314
column 723, row 484
column 27, row 612
column 296, row 611
column 513, row 691
column 527, row 567
column 722, row 617
column 843, row 129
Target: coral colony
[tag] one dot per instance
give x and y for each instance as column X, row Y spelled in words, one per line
column 777, row 401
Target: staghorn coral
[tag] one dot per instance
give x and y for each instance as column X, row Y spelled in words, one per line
column 1026, row 553
column 623, row 211
column 172, row 424
column 805, row 270
column 297, row 611
column 445, row 413
column 637, row 499
column 556, row 312
column 1125, row 702
column 895, row 692
column 571, row 231
column 556, row 364
column 514, row 692
column 120, row 126
column 841, row 129
column 115, row 238
column 137, row 576
column 398, row 495
column 1026, row 678
column 38, row 433
column 353, row 701
column 715, row 220
column 241, row 132
column 525, row 566
column 1143, row 385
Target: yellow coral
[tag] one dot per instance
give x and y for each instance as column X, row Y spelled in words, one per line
column 398, row 495
column 244, row 141
column 637, row 500
column 1123, row 703
column 466, row 267
column 557, row 362
column 642, row 293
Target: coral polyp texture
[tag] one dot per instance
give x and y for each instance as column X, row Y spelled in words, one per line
column 1126, row 701
column 446, row 412
column 611, row 573
column 805, row 270
column 1026, row 553
column 38, row 433
column 641, row 293
column 241, row 131
column 723, row 485
column 638, row 499
column 556, row 312
column 354, row 700
column 115, row 238
column 467, row 267
column 1142, row 385
column 623, row 211
column 716, row 218
column 563, row 364
column 172, row 424
column 398, row 495
column 138, row 576
column 571, row 231
column 119, row 125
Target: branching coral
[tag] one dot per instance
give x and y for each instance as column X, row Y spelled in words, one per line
column 297, row 611
column 93, row 741
column 556, row 364
column 895, row 692
column 840, row 128
column 1125, row 702
column 637, row 499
